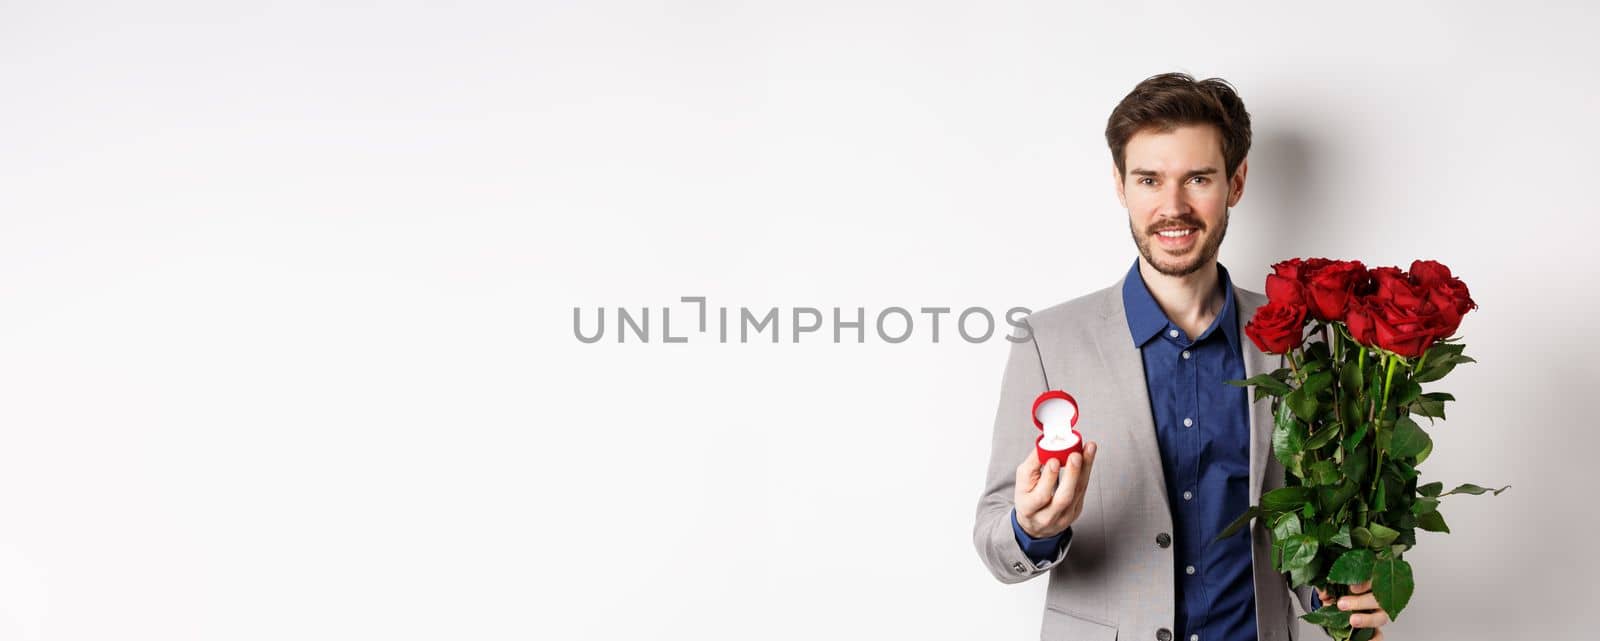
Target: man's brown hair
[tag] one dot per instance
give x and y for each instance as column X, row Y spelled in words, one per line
column 1162, row 103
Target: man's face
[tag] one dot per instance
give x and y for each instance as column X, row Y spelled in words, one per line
column 1175, row 183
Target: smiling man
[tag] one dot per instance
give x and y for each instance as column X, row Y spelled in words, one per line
column 1124, row 534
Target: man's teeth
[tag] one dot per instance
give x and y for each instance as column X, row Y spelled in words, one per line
column 1176, row 234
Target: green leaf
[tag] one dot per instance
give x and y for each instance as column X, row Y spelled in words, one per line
column 1433, row 522
column 1342, row 537
column 1286, row 436
column 1382, row 536
column 1285, row 526
column 1436, row 369
column 1316, row 357
column 1328, row 617
column 1285, row 498
column 1323, row 473
column 1352, row 567
column 1298, row 550
column 1350, row 378
column 1331, row 499
column 1404, row 391
column 1430, row 489
column 1355, row 438
column 1304, row 405
column 1468, row 488
column 1439, row 360
column 1318, row 382
column 1356, row 464
column 1323, row 436
column 1238, row 523
column 1408, row 440
column 1431, row 404
column 1424, row 505
column 1264, row 382
column 1443, row 350
column 1307, row 573
column 1423, row 455
column 1392, row 585
column 1361, row 536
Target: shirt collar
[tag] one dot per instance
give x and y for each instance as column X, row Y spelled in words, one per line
column 1145, row 318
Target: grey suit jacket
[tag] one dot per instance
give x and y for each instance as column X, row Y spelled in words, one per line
column 1112, row 578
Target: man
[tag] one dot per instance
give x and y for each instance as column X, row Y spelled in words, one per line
column 1124, row 534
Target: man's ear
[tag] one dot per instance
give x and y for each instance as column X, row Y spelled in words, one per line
column 1116, row 177
column 1236, row 184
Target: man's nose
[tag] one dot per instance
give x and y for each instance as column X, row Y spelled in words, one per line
column 1173, row 202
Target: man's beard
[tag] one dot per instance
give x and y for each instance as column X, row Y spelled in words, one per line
column 1188, row 265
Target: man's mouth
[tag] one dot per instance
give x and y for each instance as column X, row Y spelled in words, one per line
column 1177, row 238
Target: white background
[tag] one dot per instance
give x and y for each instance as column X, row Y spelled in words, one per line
column 286, row 298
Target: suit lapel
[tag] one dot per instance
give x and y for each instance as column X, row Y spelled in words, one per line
column 1125, row 366
column 1256, row 362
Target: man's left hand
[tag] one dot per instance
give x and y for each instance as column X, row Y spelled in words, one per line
column 1361, row 601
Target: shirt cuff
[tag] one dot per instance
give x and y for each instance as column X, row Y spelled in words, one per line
column 1038, row 550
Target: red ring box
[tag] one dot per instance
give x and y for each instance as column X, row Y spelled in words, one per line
column 1056, row 405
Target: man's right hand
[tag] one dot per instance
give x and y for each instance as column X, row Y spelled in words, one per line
column 1045, row 507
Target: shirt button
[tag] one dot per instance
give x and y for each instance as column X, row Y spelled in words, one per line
column 1163, row 539
column 1173, row 333
column 1188, row 495
column 1188, row 422
column 1163, row 635
column 1185, row 354
column 1194, row 637
column 1189, row 570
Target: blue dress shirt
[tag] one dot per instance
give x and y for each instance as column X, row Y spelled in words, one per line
column 1203, row 428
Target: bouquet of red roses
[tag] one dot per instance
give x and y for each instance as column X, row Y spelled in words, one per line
column 1359, row 344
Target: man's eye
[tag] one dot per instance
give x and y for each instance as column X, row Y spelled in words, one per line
column 1202, row 179
column 1142, row 181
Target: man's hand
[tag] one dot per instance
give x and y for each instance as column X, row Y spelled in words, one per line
column 1046, row 508
column 1361, row 600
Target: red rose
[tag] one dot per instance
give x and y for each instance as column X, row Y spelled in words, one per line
column 1359, row 318
column 1442, row 289
column 1393, row 285
column 1331, row 287
column 1277, row 327
column 1427, row 273
column 1445, row 306
column 1299, row 269
column 1408, row 330
column 1285, row 290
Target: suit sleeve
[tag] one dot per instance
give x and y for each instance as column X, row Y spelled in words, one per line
column 1013, row 438
column 1306, row 595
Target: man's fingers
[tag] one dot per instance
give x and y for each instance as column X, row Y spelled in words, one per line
column 1359, row 602
column 1028, row 471
column 1368, row 614
column 1369, row 619
column 1068, row 488
column 1047, row 481
column 1090, row 450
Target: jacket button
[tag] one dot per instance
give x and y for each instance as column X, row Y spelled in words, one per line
column 1164, row 540
column 1018, row 566
column 1163, row 635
